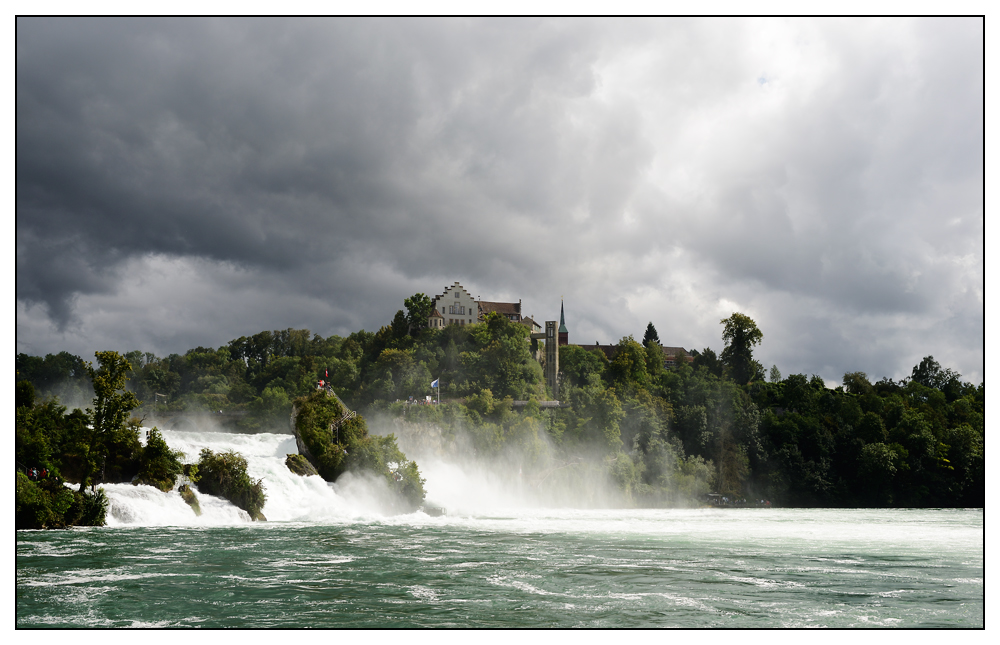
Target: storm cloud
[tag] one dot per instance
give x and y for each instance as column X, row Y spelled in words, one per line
column 182, row 182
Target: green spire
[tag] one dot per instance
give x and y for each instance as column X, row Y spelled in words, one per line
column 562, row 319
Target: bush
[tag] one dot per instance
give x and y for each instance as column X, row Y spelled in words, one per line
column 158, row 464
column 48, row 505
column 382, row 456
column 225, row 475
column 88, row 510
column 37, row 508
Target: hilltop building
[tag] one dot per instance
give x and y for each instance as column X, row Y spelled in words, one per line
column 456, row 306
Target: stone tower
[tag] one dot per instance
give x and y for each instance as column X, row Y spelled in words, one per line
column 552, row 358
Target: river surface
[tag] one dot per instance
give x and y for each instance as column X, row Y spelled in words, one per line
column 326, row 559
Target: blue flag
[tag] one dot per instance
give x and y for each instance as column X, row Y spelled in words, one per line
column 435, row 383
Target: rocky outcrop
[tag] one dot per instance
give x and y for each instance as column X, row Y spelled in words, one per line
column 190, row 498
column 299, row 465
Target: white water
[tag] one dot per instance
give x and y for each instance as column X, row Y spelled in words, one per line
column 461, row 488
column 289, row 496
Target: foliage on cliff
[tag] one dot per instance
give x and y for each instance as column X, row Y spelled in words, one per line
column 348, row 446
column 225, row 474
column 158, row 464
column 299, row 465
column 47, row 504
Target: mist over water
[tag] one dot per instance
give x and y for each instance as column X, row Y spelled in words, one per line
column 329, row 556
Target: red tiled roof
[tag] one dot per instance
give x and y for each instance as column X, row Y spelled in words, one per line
column 500, row 307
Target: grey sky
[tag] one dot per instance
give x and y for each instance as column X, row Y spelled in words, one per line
column 184, row 182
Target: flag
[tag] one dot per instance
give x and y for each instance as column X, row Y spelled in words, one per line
column 327, row 373
column 435, row 383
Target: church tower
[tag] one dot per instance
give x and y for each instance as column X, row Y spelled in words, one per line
column 563, row 332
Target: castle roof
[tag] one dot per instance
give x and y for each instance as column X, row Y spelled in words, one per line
column 499, row 307
column 562, row 319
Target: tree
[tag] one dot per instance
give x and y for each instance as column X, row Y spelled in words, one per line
column 158, row 464
column 650, row 336
column 930, row 374
column 775, row 374
column 740, row 335
column 857, row 383
column 418, row 310
column 627, row 370
column 708, row 359
column 112, row 407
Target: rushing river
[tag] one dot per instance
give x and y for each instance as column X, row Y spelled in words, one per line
column 325, row 559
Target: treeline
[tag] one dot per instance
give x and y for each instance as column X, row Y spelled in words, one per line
column 663, row 436
column 262, row 374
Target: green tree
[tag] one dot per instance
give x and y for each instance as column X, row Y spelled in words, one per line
column 627, row 371
column 930, row 374
column 740, row 334
column 112, row 408
column 158, row 464
column 707, row 358
column 418, row 310
column 650, row 336
column 857, row 383
column 775, row 374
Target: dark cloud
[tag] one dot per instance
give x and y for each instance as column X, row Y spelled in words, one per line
column 184, row 181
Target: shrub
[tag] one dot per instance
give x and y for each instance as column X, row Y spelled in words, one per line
column 158, row 464
column 49, row 505
column 225, row 475
column 37, row 508
column 88, row 509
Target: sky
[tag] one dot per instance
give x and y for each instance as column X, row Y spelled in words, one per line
column 183, row 182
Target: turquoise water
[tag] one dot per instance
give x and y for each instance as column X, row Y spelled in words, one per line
column 704, row 568
column 327, row 558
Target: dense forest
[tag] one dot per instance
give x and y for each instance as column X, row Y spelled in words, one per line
column 660, row 435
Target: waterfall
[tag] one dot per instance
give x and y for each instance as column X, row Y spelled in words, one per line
column 289, row 496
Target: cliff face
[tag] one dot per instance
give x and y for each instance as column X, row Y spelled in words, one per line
column 318, row 422
column 334, row 440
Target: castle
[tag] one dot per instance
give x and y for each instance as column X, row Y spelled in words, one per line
column 456, row 306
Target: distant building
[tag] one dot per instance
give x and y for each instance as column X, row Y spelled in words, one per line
column 609, row 350
column 532, row 326
column 509, row 310
column 456, row 306
column 671, row 355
